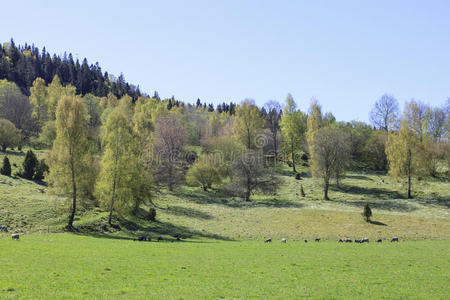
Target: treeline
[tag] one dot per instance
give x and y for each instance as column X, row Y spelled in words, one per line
column 117, row 152
column 23, row 64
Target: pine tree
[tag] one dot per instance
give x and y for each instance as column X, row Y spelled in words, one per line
column 6, row 169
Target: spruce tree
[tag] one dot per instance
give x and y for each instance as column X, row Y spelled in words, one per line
column 30, row 164
column 367, row 213
column 6, row 169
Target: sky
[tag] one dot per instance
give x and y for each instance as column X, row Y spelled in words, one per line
column 345, row 54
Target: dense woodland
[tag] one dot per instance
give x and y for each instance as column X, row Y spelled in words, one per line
column 111, row 146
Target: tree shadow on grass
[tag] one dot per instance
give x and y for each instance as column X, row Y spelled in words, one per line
column 374, row 192
column 358, row 177
column 392, row 205
column 187, row 212
column 377, row 223
column 221, row 198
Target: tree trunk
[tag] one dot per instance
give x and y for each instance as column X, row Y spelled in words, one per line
column 325, row 190
column 293, row 158
column 247, row 192
column 112, row 199
column 74, row 197
column 409, row 174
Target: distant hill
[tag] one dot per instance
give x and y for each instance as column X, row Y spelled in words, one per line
column 23, row 64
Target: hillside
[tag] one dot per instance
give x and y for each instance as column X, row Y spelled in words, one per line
column 196, row 214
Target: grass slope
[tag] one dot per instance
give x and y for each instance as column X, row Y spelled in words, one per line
column 26, row 207
column 67, row 266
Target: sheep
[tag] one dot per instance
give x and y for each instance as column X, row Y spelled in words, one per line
column 347, row 240
column 365, row 240
column 340, row 241
column 142, row 238
column 159, row 238
column 394, row 239
column 379, row 240
column 149, row 239
column 268, row 240
column 306, row 241
column 283, row 240
column 357, row 241
column 15, row 236
column 317, row 240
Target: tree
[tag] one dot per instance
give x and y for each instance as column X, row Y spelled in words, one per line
column 248, row 125
column 122, row 180
column 15, row 107
column 313, row 124
column 6, row 169
column 436, row 119
column 204, row 172
column 41, row 169
column 384, row 113
column 415, row 116
column 329, row 154
column 375, row 150
column 404, row 151
column 292, row 128
column 273, row 119
column 367, row 212
column 249, row 175
column 29, row 165
column 9, row 135
column 168, row 149
column 70, row 158
column 38, row 97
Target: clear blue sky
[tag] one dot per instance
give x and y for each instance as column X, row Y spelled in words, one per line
column 344, row 53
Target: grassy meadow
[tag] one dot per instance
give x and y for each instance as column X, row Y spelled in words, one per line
column 66, row 266
column 222, row 254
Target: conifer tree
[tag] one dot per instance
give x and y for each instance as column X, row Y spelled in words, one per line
column 6, row 168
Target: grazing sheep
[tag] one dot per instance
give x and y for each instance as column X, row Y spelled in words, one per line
column 283, row 240
column 379, row 240
column 317, row 240
column 347, row 240
column 142, row 238
column 365, row 240
column 340, row 241
column 15, row 236
column 268, row 240
column 394, row 239
column 178, row 238
column 357, row 241
column 149, row 239
column 159, row 238
column 306, row 241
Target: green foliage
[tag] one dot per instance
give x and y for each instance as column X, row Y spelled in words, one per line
column 293, row 126
column 367, row 212
column 123, row 183
column 9, row 135
column 204, row 172
column 38, row 96
column 70, row 160
column 6, row 168
column 248, row 125
column 374, row 151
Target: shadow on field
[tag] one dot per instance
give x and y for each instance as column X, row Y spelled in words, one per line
column 359, row 177
column 187, row 212
column 201, row 197
column 377, row 223
column 393, row 205
column 374, row 192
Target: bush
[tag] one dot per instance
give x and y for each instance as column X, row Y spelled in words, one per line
column 152, row 214
column 367, row 213
column 6, row 169
column 41, row 169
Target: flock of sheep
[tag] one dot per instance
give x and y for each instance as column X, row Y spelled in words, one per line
column 347, row 240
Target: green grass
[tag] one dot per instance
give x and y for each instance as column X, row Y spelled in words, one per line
column 76, row 267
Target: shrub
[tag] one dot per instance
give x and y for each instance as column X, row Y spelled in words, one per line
column 6, row 169
column 152, row 214
column 41, row 169
column 367, row 213
column 30, row 164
